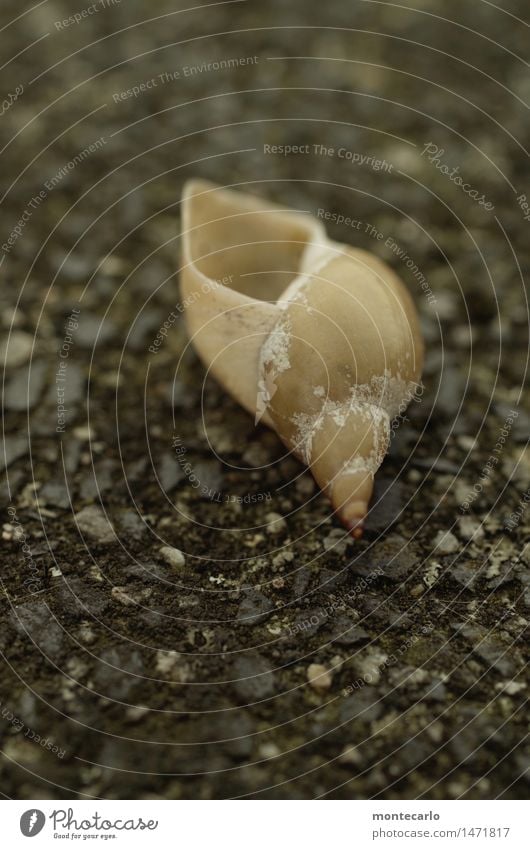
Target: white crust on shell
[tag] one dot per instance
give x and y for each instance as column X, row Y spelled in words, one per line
column 379, row 401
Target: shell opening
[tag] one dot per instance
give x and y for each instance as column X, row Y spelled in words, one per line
column 253, row 248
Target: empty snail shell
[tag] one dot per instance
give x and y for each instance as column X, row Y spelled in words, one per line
column 316, row 339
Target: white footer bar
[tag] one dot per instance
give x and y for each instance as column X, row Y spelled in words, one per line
column 265, row 824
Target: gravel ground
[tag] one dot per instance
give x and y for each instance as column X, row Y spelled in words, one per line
column 169, row 641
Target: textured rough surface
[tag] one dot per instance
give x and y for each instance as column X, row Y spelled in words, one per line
column 109, row 647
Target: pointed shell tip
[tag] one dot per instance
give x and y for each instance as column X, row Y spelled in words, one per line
column 352, row 517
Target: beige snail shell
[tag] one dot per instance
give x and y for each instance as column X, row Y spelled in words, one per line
column 316, row 339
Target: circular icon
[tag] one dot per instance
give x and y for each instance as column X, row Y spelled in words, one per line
column 32, row 822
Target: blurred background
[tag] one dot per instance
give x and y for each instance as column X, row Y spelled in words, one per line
column 162, row 642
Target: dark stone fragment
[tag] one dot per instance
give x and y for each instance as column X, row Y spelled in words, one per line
column 465, row 741
column 255, row 678
column 146, row 322
column 329, row 580
column 508, row 574
column 118, row 671
column 364, row 704
column 402, row 441
column 29, row 707
column 394, row 557
column 522, row 760
column 361, row 566
column 169, row 472
column 413, row 753
column 12, row 448
column 496, row 656
column 93, row 330
column 348, row 633
column 308, row 622
column 387, row 503
column 232, row 735
column 83, row 598
column 464, row 573
column 36, row 622
column 378, row 610
column 55, row 494
column 435, row 691
column 155, row 620
column 435, row 464
column 209, row 473
column 182, row 395
column 97, row 480
column 450, row 388
column 150, row 571
column 71, row 454
column 25, row 387
column 131, row 525
column 136, row 470
column 520, row 429
column 492, row 652
column 254, row 608
column 73, row 385
column 74, row 266
column 9, row 486
column 301, row 581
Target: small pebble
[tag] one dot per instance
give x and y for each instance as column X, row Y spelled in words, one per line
column 254, row 608
column 173, row 556
column 470, row 529
column 446, row 543
column 130, row 597
column 275, row 523
column 113, row 266
column 86, row 634
column 371, row 665
column 135, row 714
column 10, row 532
column 431, row 573
column 468, row 443
column 256, row 455
column 23, row 390
column 84, row 433
column 282, row 558
column 15, row 349
column 435, row 730
column 319, row 677
column 93, row 522
column 350, row 755
column 337, row 541
column 305, row 486
column 511, row 688
column 170, row 665
column 269, row 750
